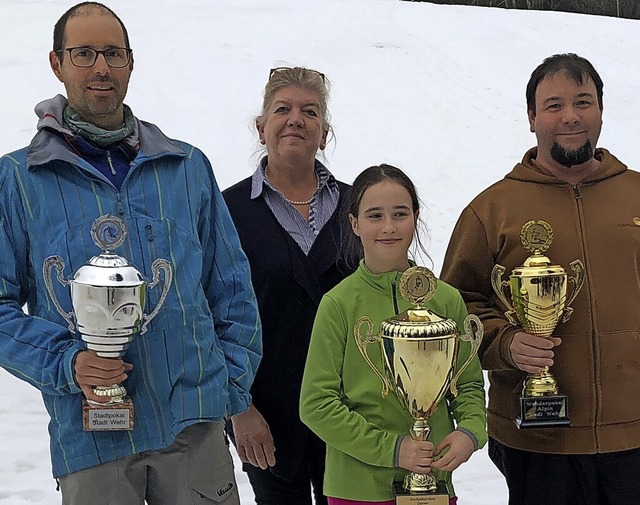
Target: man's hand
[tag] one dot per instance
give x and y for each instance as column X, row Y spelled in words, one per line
column 460, row 450
column 253, row 439
column 91, row 370
column 415, row 455
column 530, row 353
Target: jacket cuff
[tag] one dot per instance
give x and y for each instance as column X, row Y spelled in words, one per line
column 239, row 401
column 396, row 452
column 69, row 361
column 471, row 436
column 505, row 344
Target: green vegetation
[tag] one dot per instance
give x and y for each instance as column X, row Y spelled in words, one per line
column 629, row 9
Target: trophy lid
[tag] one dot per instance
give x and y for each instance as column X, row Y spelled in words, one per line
column 536, row 237
column 108, row 269
column 418, row 285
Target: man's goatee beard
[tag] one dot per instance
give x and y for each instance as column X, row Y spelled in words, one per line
column 568, row 158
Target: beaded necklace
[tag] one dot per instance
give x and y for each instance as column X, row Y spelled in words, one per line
column 296, row 202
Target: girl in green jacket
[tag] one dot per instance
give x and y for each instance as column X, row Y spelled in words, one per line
column 368, row 446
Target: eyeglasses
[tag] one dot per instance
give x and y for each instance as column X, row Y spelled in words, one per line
column 282, row 69
column 85, row 57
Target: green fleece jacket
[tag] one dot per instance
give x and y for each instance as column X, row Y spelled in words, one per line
column 341, row 397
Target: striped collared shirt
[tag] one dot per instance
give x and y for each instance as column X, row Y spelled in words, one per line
column 321, row 209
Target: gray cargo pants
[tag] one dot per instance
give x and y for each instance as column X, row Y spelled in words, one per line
column 196, row 469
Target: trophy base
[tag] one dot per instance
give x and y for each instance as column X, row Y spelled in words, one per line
column 543, row 412
column 439, row 497
column 107, row 417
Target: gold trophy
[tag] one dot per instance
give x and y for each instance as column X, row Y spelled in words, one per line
column 539, row 295
column 419, row 349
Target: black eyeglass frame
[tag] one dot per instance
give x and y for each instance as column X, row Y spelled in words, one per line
column 128, row 51
column 280, row 69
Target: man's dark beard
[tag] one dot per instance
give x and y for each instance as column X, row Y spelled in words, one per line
column 571, row 158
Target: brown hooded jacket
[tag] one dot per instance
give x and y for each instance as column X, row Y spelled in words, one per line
column 598, row 363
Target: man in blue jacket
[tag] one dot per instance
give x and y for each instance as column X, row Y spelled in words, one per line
column 91, row 157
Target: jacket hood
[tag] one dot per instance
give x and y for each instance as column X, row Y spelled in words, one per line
column 528, row 170
column 50, row 115
column 50, row 144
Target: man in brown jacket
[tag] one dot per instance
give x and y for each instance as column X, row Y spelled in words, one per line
column 592, row 202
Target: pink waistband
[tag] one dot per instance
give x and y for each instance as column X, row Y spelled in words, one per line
column 340, row 501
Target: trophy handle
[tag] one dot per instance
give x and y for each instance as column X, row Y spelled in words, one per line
column 469, row 336
column 362, row 341
column 58, row 263
column 498, row 287
column 156, row 266
column 578, row 281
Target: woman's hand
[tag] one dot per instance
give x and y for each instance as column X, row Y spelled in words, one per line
column 415, row 455
column 254, row 442
column 460, row 447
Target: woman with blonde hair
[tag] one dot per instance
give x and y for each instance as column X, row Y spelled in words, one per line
column 288, row 219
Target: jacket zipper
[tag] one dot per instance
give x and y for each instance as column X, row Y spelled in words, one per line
column 596, row 355
column 394, row 296
column 110, row 186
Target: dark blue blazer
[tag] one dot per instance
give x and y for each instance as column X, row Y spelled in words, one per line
column 289, row 286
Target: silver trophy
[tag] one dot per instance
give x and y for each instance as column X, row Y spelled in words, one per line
column 108, row 297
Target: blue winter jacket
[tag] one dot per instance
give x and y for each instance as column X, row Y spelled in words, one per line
column 198, row 358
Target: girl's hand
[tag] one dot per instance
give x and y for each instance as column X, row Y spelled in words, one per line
column 415, row 455
column 460, row 450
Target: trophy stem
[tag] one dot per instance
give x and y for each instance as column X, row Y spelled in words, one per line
column 540, row 384
column 420, row 430
column 418, row 482
column 116, row 394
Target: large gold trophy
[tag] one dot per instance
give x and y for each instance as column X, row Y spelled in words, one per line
column 539, row 295
column 419, row 349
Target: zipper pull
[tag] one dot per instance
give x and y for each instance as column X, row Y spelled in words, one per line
column 113, row 170
column 576, row 191
column 119, row 206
